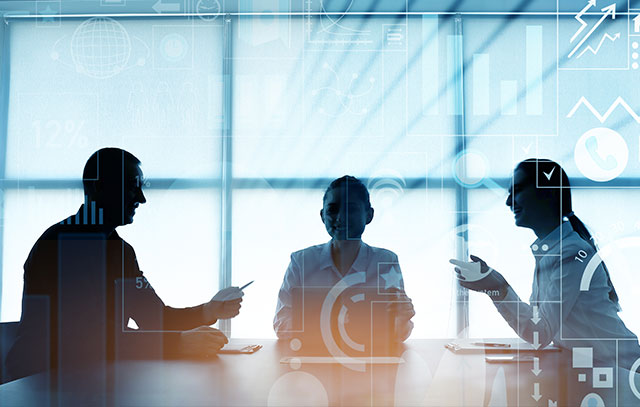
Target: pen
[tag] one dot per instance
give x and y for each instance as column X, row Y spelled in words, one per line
column 491, row 344
column 246, row 285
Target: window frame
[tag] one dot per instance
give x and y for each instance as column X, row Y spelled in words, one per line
column 228, row 183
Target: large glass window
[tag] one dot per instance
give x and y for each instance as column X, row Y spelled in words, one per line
column 152, row 87
column 272, row 112
column 325, row 104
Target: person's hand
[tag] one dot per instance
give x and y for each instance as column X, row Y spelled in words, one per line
column 491, row 282
column 228, row 294
column 401, row 306
column 203, row 341
column 225, row 304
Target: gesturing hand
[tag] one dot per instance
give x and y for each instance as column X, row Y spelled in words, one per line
column 201, row 342
column 401, row 307
column 476, row 275
column 225, row 304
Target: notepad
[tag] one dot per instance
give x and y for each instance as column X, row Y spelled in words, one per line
column 344, row 360
column 464, row 346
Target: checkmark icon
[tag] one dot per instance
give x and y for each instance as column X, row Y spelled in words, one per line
column 527, row 148
column 549, row 174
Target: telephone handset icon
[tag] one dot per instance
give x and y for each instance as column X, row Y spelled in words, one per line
column 607, row 163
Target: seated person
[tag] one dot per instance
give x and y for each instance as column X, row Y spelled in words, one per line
column 559, row 310
column 346, row 212
column 72, row 274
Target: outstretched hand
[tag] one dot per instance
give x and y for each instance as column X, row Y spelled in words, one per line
column 476, row 275
column 225, row 304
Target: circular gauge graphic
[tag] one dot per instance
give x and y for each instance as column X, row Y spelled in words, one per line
column 208, row 10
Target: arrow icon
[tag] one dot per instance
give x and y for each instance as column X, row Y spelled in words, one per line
column 536, row 367
column 536, row 392
column 636, row 23
column 609, row 10
column 161, row 7
column 606, row 36
column 536, row 340
column 536, row 316
column 578, row 17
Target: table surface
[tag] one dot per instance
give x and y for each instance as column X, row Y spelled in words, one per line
column 430, row 375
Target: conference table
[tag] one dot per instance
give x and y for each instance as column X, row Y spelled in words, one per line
column 429, row 375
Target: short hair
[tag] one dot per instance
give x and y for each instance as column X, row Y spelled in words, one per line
column 353, row 185
column 106, row 164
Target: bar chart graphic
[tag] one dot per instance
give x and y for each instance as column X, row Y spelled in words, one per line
column 90, row 215
column 511, row 90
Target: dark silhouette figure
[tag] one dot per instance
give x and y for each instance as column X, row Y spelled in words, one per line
column 82, row 283
column 347, row 260
column 559, row 311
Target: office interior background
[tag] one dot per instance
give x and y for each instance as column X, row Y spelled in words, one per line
column 243, row 112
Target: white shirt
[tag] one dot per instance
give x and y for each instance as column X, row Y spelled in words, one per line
column 567, row 316
column 313, row 267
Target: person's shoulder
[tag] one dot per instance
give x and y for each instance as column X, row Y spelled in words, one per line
column 381, row 253
column 47, row 244
column 52, row 233
column 314, row 250
column 573, row 243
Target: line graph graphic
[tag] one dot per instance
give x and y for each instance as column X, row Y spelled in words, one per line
column 332, row 24
column 606, row 36
column 332, row 28
column 603, row 117
column 608, row 11
column 342, row 97
column 578, row 17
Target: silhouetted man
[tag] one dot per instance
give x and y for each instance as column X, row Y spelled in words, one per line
column 82, row 283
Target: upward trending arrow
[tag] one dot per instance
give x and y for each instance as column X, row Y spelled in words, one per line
column 609, row 10
column 578, row 17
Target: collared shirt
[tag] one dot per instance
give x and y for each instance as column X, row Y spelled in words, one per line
column 313, row 267
column 559, row 311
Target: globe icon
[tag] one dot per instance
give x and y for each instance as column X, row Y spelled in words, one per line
column 100, row 47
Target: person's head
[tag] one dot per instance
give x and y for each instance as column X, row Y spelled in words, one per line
column 112, row 178
column 540, row 193
column 346, row 208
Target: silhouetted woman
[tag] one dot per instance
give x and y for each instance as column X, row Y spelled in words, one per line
column 558, row 311
column 346, row 211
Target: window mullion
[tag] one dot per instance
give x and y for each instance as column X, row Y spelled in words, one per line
column 4, row 114
column 227, row 166
column 462, row 217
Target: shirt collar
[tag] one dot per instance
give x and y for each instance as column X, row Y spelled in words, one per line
column 552, row 240
column 325, row 257
column 360, row 263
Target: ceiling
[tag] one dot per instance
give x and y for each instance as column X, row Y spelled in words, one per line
column 269, row 6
